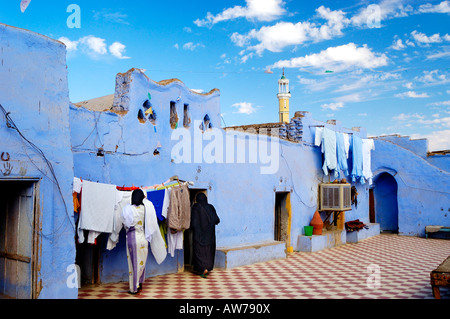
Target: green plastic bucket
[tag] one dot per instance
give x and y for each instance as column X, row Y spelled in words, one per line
column 309, row 230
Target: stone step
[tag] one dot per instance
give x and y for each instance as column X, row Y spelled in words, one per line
column 247, row 254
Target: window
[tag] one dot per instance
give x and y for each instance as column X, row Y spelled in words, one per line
column 187, row 117
column 173, row 116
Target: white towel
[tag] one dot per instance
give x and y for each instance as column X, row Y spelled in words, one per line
column 97, row 208
column 153, row 234
column 175, row 242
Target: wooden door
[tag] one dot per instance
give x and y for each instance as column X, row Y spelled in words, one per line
column 17, row 219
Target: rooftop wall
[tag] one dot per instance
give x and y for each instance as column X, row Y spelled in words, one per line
column 423, row 189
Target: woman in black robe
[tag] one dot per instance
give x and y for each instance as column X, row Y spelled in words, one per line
column 203, row 224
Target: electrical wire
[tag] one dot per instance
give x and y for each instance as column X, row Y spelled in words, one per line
column 11, row 125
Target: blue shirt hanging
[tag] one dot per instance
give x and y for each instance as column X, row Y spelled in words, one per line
column 357, row 156
column 157, row 199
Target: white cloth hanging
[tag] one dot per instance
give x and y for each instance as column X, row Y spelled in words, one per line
column 123, row 199
column 97, row 208
column 174, row 242
column 367, row 146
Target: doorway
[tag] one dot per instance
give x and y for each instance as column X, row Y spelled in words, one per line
column 385, row 203
column 282, row 230
column 18, row 239
column 188, row 235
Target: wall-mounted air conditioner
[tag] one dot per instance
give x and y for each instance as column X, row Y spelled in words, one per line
column 335, row 197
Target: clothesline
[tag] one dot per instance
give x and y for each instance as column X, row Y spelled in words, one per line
column 336, row 149
column 311, row 126
column 166, row 185
column 100, row 210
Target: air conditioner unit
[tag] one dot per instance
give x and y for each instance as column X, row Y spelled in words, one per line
column 335, row 197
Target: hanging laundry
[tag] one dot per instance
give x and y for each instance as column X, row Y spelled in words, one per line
column 367, row 146
column 153, row 234
column 97, row 208
column 329, row 150
column 318, row 137
column 357, row 157
column 77, row 184
column 165, row 209
column 123, row 199
column 179, row 213
column 341, row 155
column 76, row 203
column 346, row 144
column 157, row 199
column 175, row 242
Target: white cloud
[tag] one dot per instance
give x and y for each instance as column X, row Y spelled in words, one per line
column 260, row 10
column 276, row 37
column 398, row 45
column 338, row 58
column 192, row 46
column 438, row 140
column 117, row 49
column 94, row 44
column 71, row 46
column 372, row 15
column 443, row 7
column 422, row 38
column 441, row 103
column 408, row 85
column 442, row 54
column 245, row 108
column 111, row 16
column 333, row 106
column 94, row 47
column 412, row 94
column 432, row 77
column 406, row 117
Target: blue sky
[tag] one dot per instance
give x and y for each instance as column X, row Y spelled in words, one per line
column 389, row 59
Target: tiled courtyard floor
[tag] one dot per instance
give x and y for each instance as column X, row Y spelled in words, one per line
column 344, row 272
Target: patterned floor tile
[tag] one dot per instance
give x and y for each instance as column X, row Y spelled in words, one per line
column 344, row 272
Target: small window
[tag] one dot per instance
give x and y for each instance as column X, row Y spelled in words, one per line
column 173, row 115
column 187, row 117
column 141, row 116
column 150, row 112
column 206, row 124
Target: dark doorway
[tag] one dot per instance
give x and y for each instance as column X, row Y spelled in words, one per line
column 282, row 228
column 88, row 259
column 371, row 206
column 188, row 241
column 18, row 239
column 385, row 203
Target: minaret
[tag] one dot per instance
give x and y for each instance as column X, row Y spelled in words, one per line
column 283, row 96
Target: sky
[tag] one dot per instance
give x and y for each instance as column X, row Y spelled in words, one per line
column 382, row 64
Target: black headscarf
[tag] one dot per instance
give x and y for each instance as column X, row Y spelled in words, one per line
column 137, row 197
column 203, row 221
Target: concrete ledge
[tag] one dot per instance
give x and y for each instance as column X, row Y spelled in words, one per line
column 328, row 239
column 355, row 236
column 231, row 257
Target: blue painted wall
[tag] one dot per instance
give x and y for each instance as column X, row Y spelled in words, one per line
column 36, row 95
column 441, row 161
column 423, row 189
column 243, row 196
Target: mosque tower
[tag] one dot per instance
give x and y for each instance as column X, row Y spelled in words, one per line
column 283, row 97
